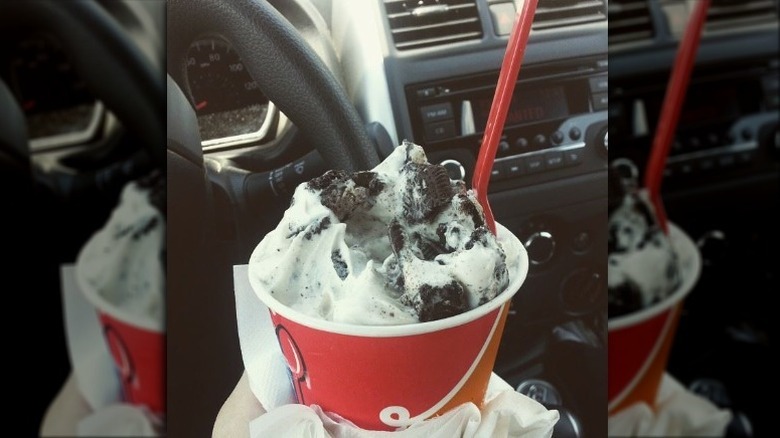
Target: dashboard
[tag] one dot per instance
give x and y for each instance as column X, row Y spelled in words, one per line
column 721, row 182
column 60, row 110
column 230, row 107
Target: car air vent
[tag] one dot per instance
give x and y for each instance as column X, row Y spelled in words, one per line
column 731, row 14
column 629, row 21
column 560, row 13
column 424, row 23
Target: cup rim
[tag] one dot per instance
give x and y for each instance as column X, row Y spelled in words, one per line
column 410, row 329
column 688, row 255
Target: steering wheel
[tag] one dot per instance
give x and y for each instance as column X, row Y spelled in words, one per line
column 116, row 73
column 285, row 68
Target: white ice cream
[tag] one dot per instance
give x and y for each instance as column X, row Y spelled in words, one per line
column 122, row 262
column 339, row 263
column 642, row 265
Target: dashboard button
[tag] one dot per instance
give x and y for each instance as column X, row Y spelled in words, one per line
column 553, row 159
column 573, row 156
column 440, row 111
column 534, row 163
column 557, row 137
column 575, row 133
column 514, row 167
column 440, row 130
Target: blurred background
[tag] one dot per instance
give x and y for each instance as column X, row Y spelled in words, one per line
column 721, row 184
column 85, row 118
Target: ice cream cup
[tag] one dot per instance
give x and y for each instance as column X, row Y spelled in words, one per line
column 389, row 377
column 137, row 346
column 639, row 342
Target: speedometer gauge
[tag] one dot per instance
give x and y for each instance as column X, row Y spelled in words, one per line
column 230, row 107
column 58, row 107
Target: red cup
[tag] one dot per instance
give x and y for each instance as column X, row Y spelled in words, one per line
column 639, row 343
column 137, row 346
column 388, row 377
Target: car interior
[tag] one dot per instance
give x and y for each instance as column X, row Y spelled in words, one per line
column 262, row 95
column 721, row 182
column 82, row 110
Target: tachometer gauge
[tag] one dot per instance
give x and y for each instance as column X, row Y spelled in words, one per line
column 230, row 107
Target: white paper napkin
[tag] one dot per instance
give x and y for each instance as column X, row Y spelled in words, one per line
column 94, row 372
column 506, row 414
column 679, row 412
column 90, row 359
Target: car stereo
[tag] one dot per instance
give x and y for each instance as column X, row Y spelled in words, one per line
column 555, row 124
column 728, row 123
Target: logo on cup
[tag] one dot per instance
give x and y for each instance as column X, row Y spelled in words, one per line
column 294, row 359
column 123, row 360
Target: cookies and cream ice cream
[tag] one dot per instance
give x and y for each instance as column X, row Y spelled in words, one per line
column 642, row 267
column 124, row 262
column 401, row 243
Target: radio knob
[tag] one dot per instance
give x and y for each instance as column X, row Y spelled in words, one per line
column 557, row 137
column 521, row 143
column 540, row 246
column 454, row 169
column 602, row 141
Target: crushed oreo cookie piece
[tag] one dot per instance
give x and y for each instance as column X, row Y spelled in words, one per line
column 339, row 265
column 429, row 190
column 429, row 249
column 479, row 235
column 624, row 299
column 155, row 185
column 438, row 302
column 467, row 207
column 397, row 239
column 316, row 228
column 370, row 181
column 327, row 179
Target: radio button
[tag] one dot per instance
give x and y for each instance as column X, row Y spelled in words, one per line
column 600, row 101
column 498, row 172
column 521, row 143
column 575, row 133
column 744, row 157
column 599, row 84
column 553, row 160
column 727, row 160
column 572, row 157
column 503, row 147
column 534, row 163
column 713, row 140
column 440, row 130
column 439, row 111
column 707, row 164
column 540, row 140
column 513, row 167
column 426, row 92
column 557, row 137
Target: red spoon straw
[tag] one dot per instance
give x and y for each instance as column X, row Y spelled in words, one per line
column 498, row 110
column 670, row 111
